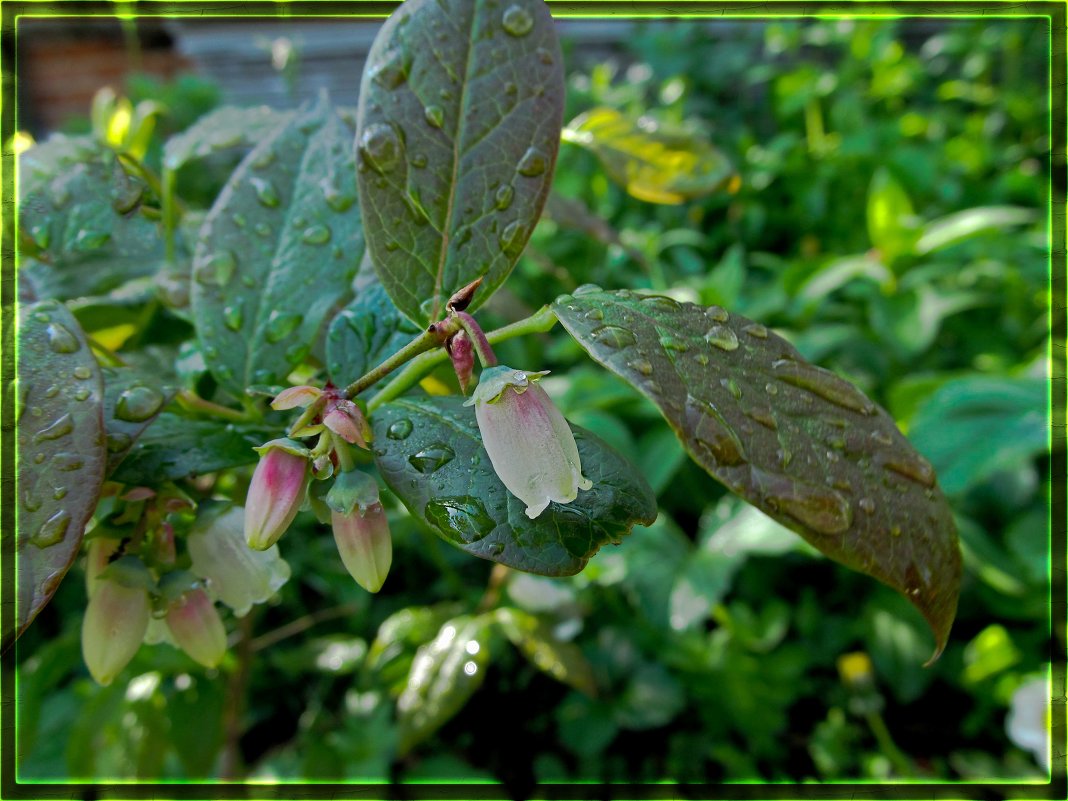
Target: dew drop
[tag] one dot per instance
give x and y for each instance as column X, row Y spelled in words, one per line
column 137, row 404
column 234, row 316
column 61, row 340
column 710, row 430
column 756, row 330
column 764, row 417
column 533, row 163
column 544, row 56
column 118, row 442
column 419, row 161
column 771, row 389
column 915, row 468
column 594, row 314
column 717, row 314
column 82, row 394
column 517, row 21
column 661, row 303
column 822, row 509
column 59, row 494
column 671, row 342
column 380, row 148
column 67, row 462
column 432, row 457
column 263, row 159
column 643, row 366
column 240, row 220
column 399, row 429
column 435, row 116
column 701, row 359
column 60, row 428
column 280, row 325
column 512, row 238
column 336, row 199
column 87, row 241
column 503, row 198
column 722, row 337
column 823, row 383
column 614, row 336
column 218, row 269
column 316, row 235
column 266, row 194
column 52, row 530
column 39, row 458
column 732, row 387
column 463, row 519
column 391, row 71
column 82, row 373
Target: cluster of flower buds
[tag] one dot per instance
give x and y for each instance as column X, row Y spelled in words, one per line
column 281, row 484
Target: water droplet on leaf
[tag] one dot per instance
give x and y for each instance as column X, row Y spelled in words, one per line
column 722, row 337
column 432, row 457
column 61, row 340
column 435, row 116
column 52, row 530
column 60, row 428
column 280, row 325
column 137, row 404
column 316, row 235
column 266, row 194
column 503, row 198
column 463, row 519
column 533, row 163
column 399, row 429
column 517, row 21
column 614, row 336
column 380, row 148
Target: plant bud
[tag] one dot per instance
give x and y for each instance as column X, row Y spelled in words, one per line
column 364, row 543
column 196, row 626
column 463, row 358
column 345, row 419
column 113, row 627
column 276, row 492
column 529, row 442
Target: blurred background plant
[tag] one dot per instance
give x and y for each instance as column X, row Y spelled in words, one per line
column 875, row 191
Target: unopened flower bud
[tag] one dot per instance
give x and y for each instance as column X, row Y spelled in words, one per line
column 276, row 492
column 113, row 628
column 529, row 442
column 96, row 561
column 345, row 419
column 195, row 624
column 237, row 575
column 463, row 358
column 364, row 543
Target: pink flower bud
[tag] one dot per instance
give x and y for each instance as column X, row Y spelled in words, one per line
column 100, row 552
column 293, row 397
column 463, row 358
column 364, row 543
column 529, row 442
column 113, row 627
column 345, row 419
column 276, row 492
column 197, row 628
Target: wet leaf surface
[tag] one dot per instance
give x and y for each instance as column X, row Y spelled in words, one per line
column 796, row 441
column 458, row 129
column 133, row 399
column 61, row 450
column 364, row 333
column 430, row 454
column 228, row 128
column 278, row 250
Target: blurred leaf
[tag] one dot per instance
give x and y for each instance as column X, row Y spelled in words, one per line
column 963, row 225
column 60, row 426
column 364, row 333
column 132, row 400
column 714, row 376
column 724, row 282
column 659, row 457
column 226, row 128
column 430, row 454
column 399, row 635
column 564, row 661
column 651, row 163
column 650, row 699
column 911, row 319
column 897, row 647
column 972, row 427
column 278, row 250
column 195, row 713
column 891, row 220
column 837, row 272
column 992, row 651
column 176, row 447
column 445, row 673
column 457, row 140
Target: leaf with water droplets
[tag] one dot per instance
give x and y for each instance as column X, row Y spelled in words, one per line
column 796, row 441
column 133, row 399
column 430, row 453
column 61, row 450
column 226, row 129
column 458, row 129
column 278, row 250
column 652, row 163
column 79, row 227
column 364, row 333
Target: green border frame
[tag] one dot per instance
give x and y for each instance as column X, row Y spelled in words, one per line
column 1056, row 11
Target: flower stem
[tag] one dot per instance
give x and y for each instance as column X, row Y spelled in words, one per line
column 192, row 402
column 538, row 323
column 431, row 338
column 478, row 339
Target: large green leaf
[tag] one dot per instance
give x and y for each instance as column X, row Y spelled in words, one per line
column 277, row 251
column 972, row 427
column 78, row 218
column 458, row 129
column 133, row 399
column 175, row 447
column 650, row 162
column 430, row 454
column 796, row 441
column 364, row 333
column 61, row 450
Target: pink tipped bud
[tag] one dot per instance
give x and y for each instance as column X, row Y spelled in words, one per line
column 345, row 419
column 462, row 354
column 364, row 543
column 295, row 396
column 197, row 628
column 114, row 626
column 276, row 493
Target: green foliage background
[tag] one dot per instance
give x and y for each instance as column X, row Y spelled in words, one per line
column 712, row 637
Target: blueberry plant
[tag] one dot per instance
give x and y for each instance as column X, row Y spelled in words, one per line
column 343, row 261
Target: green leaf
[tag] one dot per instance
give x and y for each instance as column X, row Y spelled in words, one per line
column 891, row 220
column 364, row 333
column 175, row 447
column 224, row 129
column 839, row 272
column 458, row 130
column 798, row 442
column 390, row 655
column 430, row 454
column 970, row 428
column 132, row 400
column 653, row 164
column 61, row 448
column 564, row 661
column 444, row 674
column 78, row 219
column 277, row 251
column 962, row 225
